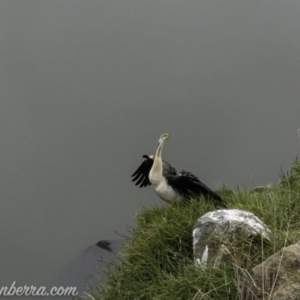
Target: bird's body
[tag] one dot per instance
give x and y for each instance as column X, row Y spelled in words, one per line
column 170, row 185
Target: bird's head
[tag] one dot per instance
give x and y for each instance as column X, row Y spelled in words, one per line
column 164, row 137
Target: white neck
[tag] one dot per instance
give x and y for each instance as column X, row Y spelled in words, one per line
column 156, row 173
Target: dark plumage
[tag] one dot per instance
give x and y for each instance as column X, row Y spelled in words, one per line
column 189, row 186
column 142, row 172
column 170, row 185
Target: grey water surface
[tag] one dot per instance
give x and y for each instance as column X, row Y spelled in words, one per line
column 87, row 87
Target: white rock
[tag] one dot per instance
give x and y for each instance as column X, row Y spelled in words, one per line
column 223, row 225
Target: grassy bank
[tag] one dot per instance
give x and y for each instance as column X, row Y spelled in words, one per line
column 158, row 261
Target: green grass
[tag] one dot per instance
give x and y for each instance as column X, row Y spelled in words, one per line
column 157, row 262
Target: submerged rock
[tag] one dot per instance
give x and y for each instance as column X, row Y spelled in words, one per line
column 217, row 228
column 85, row 271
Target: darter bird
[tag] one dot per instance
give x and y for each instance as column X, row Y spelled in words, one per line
column 170, row 185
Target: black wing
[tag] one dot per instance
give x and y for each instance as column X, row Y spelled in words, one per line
column 189, row 186
column 142, row 172
column 141, row 175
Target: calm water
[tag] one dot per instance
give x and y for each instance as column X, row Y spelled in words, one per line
column 88, row 87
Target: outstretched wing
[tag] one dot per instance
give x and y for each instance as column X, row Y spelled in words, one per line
column 141, row 175
column 189, row 186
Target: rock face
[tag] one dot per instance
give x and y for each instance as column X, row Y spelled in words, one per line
column 217, row 228
column 277, row 278
column 261, row 188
